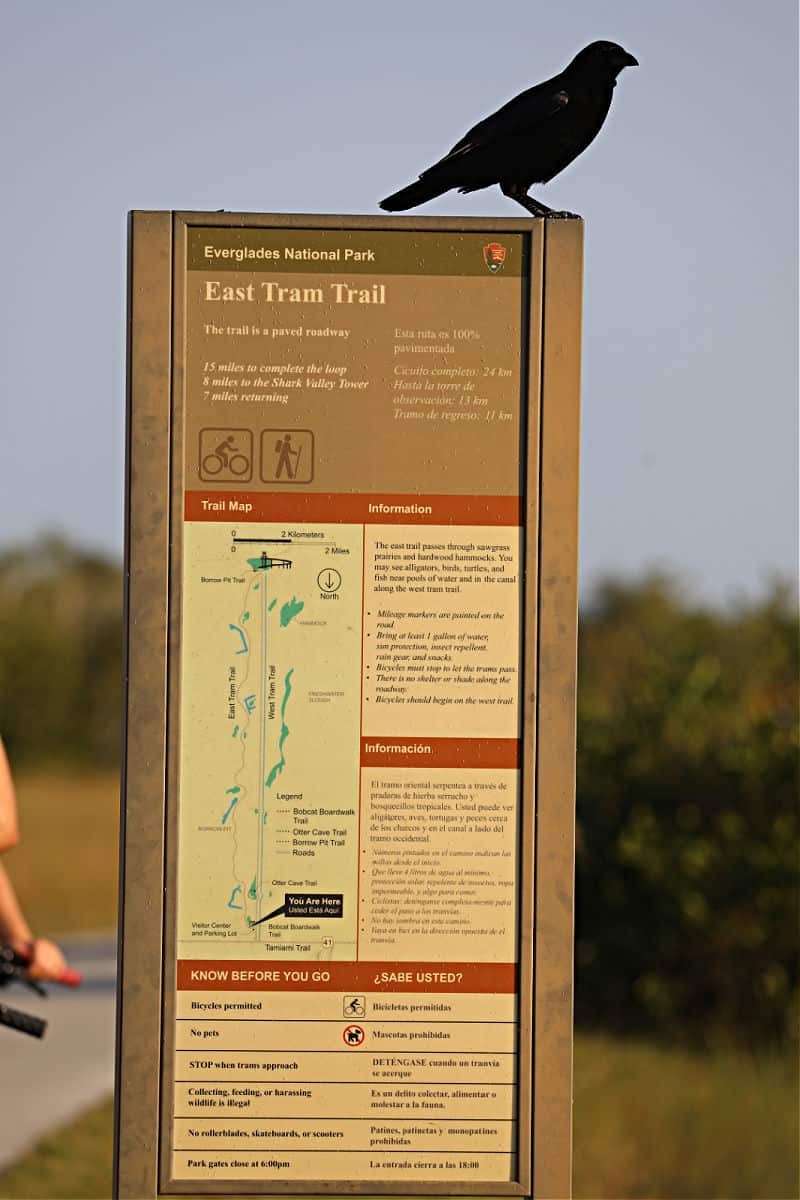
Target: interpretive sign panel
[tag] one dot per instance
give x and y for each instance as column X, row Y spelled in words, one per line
column 338, row 523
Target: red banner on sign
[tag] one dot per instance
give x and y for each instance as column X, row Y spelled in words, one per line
column 350, row 508
column 497, row 753
column 243, row 975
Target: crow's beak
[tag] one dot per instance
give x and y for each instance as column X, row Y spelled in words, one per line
column 629, row 61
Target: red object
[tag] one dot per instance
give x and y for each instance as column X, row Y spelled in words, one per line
column 494, row 255
column 70, row 978
column 354, row 508
column 240, row 975
column 496, row 753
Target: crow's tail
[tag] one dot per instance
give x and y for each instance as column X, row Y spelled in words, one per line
column 416, row 193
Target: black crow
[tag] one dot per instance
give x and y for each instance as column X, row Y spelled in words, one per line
column 530, row 139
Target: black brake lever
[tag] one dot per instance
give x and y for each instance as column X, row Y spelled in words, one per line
column 34, row 985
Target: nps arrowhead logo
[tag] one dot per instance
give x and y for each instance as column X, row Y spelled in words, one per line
column 494, row 255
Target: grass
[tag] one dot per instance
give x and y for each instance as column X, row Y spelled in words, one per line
column 662, row 1123
column 73, row 1163
column 65, row 866
column 649, row 1122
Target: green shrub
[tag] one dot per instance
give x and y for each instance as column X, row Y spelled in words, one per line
column 60, row 654
column 687, row 907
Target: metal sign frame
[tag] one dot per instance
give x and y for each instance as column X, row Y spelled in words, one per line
column 157, row 247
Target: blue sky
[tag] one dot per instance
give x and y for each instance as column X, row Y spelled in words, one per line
column 689, row 195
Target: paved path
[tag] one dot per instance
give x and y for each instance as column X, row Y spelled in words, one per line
column 47, row 1082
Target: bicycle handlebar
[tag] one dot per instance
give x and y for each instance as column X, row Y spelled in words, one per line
column 14, row 968
column 21, row 1021
column 14, row 964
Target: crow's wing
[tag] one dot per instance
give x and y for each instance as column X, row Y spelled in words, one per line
column 521, row 115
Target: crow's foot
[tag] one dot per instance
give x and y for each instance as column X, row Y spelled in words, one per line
column 534, row 207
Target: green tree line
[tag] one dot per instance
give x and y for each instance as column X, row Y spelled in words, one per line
column 60, row 654
column 687, row 855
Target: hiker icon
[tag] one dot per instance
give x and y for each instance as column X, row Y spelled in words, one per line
column 285, row 453
column 287, row 456
column 226, row 454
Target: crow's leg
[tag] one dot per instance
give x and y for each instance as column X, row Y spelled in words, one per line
column 515, row 191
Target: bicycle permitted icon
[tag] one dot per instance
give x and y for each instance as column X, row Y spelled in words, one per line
column 226, row 455
column 225, row 458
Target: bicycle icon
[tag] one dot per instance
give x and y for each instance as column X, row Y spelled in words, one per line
column 226, row 455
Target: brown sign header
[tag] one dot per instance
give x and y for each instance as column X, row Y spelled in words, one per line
column 245, row 975
column 370, row 509
column 441, row 752
column 354, row 251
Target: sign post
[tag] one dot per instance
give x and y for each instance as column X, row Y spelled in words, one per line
column 348, row 795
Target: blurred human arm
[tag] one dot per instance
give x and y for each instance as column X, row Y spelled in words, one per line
column 9, row 827
column 46, row 960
